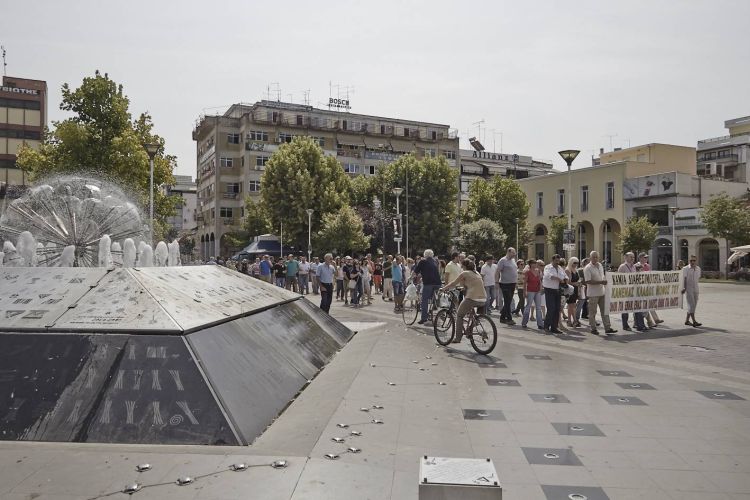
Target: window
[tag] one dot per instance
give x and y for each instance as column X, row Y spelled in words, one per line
column 610, row 198
column 451, row 155
column 299, row 120
column 273, row 116
column 370, row 169
column 433, row 134
column 465, row 186
column 257, row 135
column 260, row 161
column 382, row 129
column 225, row 212
column 234, row 187
column 584, row 198
column 540, row 203
column 233, row 138
column 344, row 125
column 359, row 126
column 226, row 162
column 253, row 186
column 428, row 152
column 242, row 161
column 320, row 141
column 406, row 132
column 351, row 168
column 284, row 137
column 560, row 201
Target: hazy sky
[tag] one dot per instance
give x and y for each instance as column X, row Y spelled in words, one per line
column 549, row 75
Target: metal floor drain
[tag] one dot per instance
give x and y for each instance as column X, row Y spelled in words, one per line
column 537, row 357
column 503, row 382
column 577, row 429
column 496, row 415
column 549, row 398
column 613, row 373
column 636, row 386
column 551, row 456
column 624, row 400
column 559, row 492
column 721, row 395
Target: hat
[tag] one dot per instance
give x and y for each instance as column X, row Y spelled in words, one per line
column 347, row 258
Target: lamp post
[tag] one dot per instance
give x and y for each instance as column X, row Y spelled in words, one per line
column 151, row 150
column 518, row 246
column 673, row 211
column 569, row 155
column 397, row 191
column 309, row 228
column 606, row 230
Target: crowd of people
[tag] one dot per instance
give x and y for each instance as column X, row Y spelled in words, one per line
column 554, row 295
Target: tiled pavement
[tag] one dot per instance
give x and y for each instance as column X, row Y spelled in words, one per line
column 629, row 417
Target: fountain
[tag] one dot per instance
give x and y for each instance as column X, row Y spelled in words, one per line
column 97, row 345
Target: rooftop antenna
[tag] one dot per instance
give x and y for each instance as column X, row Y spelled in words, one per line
column 479, row 127
column 5, row 64
column 495, row 134
column 306, row 97
column 610, row 140
column 277, row 89
column 291, row 98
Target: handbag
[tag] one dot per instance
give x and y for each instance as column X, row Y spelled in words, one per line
column 352, row 284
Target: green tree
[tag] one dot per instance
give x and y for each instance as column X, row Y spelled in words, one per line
column 501, row 200
column 481, row 238
column 558, row 224
column 187, row 245
column 638, row 235
column 299, row 176
column 431, row 205
column 728, row 218
column 257, row 220
column 342, row 232
column 102, row 139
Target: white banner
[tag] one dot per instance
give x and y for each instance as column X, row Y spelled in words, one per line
column 645, row 291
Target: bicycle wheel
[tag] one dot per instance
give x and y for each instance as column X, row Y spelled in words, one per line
column 443, row 326
column 410, row 311
column 484, row 336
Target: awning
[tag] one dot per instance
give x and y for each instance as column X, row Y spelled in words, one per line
column 739, row 252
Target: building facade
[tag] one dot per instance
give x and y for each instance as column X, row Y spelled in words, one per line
column 23, row 116
column 184, row 218
column 726, row 158
column 233, row 148
column 598, row 206
column 485, row 165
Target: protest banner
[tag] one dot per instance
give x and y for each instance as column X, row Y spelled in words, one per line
column 644, row 291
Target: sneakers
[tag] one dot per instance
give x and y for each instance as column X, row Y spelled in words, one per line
column 610, row 330
column 594, row 332
column 628, row 329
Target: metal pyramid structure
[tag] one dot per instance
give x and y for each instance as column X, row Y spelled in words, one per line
column 175, row 355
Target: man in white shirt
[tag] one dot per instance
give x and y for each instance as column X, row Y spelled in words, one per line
column 304, row 273
column 629, row 267
column 593, row 275
column 507, row 277
column 488, row 277
column 554, row 276
column 690, row 276
column 452, row 269
column 314, row 275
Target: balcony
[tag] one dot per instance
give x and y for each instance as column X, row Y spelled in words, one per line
column 229, row 195
column 724, row 160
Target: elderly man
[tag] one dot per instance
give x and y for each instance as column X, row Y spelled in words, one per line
column 651, row 317
column 629, row 267
column 593, row 275
column 691, row 274
column 507, row 276
column 429, row 269
column 554, row 276
column 488, row 272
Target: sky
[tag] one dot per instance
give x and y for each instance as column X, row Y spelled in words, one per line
column 542, row 76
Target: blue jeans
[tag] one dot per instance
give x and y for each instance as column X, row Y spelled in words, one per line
column 490, row 290
column 280, row 282
column 398, row 288
column 536, row 299
column 427, row 291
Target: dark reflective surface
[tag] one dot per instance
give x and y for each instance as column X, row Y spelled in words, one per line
column 257, row 364
column 105, row 388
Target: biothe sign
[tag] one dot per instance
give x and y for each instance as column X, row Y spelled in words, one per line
column 17, row 90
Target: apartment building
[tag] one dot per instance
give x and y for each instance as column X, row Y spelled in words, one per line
column 598, row 206
column 726, row 157
column 23, row 116
column 233, row 148
column 184, row 218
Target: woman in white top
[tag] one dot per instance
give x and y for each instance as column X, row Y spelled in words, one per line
column 365, row 273
column 474, row 295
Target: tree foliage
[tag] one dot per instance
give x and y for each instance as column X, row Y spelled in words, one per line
column 638, row 235
column 501, row 200
column 257, row 221
column 101, row 139
column 727, row 217
column 558, row 225
column 342, row 232
column 431, row 205
column 299, row 176
column 481, row 238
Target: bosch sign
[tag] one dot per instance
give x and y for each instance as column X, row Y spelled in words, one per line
column 338, row 103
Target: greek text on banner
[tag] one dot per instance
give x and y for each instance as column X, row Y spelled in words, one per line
column 643, row 291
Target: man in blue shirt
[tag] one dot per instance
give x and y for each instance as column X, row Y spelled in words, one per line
column 265, row 269
column 397, row 281
column 429, row 270
column 325, row 273
column 292, row 268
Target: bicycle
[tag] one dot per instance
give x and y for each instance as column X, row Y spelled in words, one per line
column 483, row 340
column 410, row 312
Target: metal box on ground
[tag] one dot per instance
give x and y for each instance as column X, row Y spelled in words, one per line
column 442, row 478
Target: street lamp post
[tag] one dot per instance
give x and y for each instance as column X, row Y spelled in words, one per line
column 151, row 150
column 397, row 191
column 569, row 155
column 518, row 246
column 606, row 230
column 309, row 228
column 673, row 211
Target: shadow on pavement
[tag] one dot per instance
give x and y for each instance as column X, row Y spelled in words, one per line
column 662, row 334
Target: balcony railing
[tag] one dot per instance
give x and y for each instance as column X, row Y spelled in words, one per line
column 720, row 159
column 229, row 195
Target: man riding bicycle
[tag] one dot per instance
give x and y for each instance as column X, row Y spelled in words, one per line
column 474, row 295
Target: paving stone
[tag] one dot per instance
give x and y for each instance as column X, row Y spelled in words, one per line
column 549, row 398
column 726, row 396
column 569, row 429
column 624, row 400
column 614, row 373
column 483, row 415
column 538, row 357
column 557, row 492
column 640, row 386
column 503, row 382
column 551, row 456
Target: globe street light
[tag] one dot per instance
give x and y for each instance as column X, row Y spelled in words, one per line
column 397, row 191
column 309, row 227
column 151, row 150
column 569, row 155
